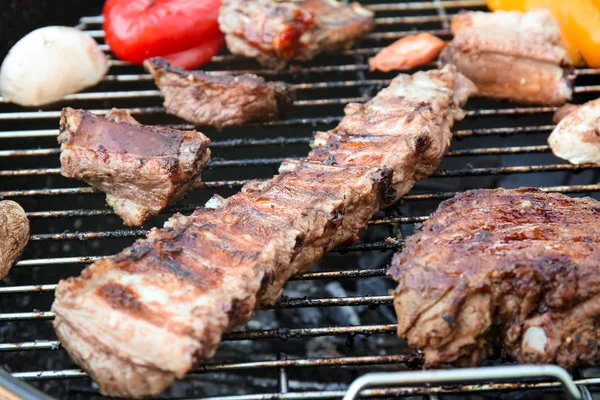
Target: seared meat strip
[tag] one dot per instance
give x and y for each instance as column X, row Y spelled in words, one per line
column 512, row 55
column 138, row 320
column 275, row 32
column 142, row 169
column 576, row 138
column 219, row 100
column 517, row 270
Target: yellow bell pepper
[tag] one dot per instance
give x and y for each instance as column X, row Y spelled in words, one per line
column 579, row 22
column 582, row 27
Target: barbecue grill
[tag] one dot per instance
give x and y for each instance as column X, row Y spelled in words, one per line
column 310, row 347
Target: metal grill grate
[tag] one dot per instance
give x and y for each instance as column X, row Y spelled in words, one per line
column 498, row 144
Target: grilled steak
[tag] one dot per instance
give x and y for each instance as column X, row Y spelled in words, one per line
column 517, row 270
column 219, row 100
column 141, row 169
column 512, row 55
column 576, row 138
column 140, row 319
column 275, row 32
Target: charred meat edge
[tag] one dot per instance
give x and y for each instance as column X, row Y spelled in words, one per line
column 222, row 100
column 511, row 55
column 138, row 320
column 513, row 270
column 142, row 169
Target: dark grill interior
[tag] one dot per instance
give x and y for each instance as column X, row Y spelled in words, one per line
column 336, row 315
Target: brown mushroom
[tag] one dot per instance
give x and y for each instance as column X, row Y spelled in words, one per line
column 14, row 234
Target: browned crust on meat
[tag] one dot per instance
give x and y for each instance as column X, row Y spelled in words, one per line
column 202, row 275
column 276, row 32
column 512, row 56
column 142, row 169
column 219, row 101
column 490, row 264
column 506, row 77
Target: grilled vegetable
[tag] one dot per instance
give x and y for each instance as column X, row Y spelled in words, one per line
column 14, row 231
column 408, row 52
column 49, row 63
column 579, row 23
column 185, row 32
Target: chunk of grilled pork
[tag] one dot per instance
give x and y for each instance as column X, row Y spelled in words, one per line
column 275, row 32
column 138, row 320
column 517, row 270
column 142, row 169
column 576, row 137
column 511, row 55
column 219, row 101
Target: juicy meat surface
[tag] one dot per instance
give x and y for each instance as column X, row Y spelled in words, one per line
column 14, row 231
column 576, row 138
column 138, row 320
column 142, row 169
column 511, row 55
column 219, row 101
column 275, row 32
column 517, row 270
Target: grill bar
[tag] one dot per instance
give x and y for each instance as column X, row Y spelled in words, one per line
column 267, row 161
column 301, row 86
column 433, row 196
column 357, row 273
column 291, row 140
column 282, row 303
column 216, row 163
column 281, row 333
column 298, row 363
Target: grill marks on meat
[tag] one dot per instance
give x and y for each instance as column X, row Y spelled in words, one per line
column 517, row 270
column 171, row 296
column 141, row 169
column 219, row 101
column 275, row 32
column 511, row 55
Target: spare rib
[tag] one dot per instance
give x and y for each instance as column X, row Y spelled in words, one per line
column 138, row 320
column 513, row 270
column 219, row 101
column 276, row 32
column 512, row 55
column 142, row 169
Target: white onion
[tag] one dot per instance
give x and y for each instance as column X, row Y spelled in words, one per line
column 49, row 63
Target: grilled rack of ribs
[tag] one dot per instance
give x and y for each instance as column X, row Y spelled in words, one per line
column 511, row 55
column 138, row 320
column 219, row 101
column 275, row 32
column 142, row 169
column 517, row 270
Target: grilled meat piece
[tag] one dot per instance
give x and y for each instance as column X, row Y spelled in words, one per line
column 576, row 138
column 275, row 32
column 219, row 100
column 511, row 55
column 138, row 320
column 14, row 231
column 512, row 269
column 142, row 169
